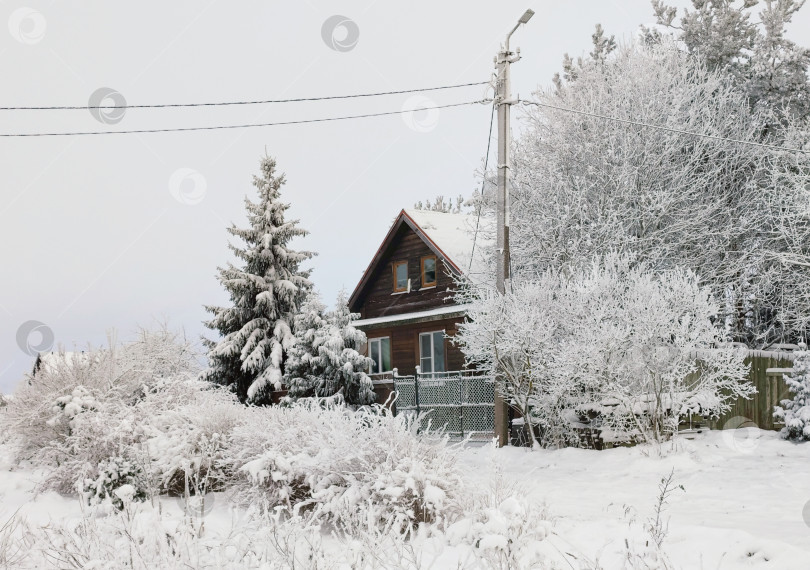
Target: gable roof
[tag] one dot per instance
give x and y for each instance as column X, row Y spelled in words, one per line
column 450, row 236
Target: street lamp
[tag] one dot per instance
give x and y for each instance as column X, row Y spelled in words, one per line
column 503, row 99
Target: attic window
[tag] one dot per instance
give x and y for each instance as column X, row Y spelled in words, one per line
column 400, row 276
column 429, row 271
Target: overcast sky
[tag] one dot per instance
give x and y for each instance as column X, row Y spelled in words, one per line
column 102, row 232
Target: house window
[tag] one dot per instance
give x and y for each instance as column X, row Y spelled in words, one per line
column 379, row 349
column 431, row 351
column 400, row 276
column 428, row 271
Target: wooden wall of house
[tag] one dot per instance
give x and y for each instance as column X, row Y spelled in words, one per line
column 379, row 298
column 405, row 344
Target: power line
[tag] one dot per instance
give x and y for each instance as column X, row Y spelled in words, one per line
column 668, row 129
column 227, row 103
column 483, row 185
column 244, row 126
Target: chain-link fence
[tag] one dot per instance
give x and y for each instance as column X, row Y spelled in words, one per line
column 461, row 403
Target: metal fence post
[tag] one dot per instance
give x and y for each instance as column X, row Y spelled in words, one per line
column 461, row 404
column 394, row 375
column 416, row 388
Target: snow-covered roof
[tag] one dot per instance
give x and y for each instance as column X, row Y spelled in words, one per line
column 419, row 315
column 455, row 238
column 453, row 234
column 51, row 361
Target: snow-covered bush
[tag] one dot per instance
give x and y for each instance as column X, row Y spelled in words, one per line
column 46, row 406
column 614, row 343
column 324, row 360
column 94, row 436
column 172, row 434
column 66, row 408
column 78, row 413
column 116, row 475
column 501, row 525
column 343, row 467
column 795, row 413
column 185, row 425
column 144, row 537
column 13, row 550
column 505, row 535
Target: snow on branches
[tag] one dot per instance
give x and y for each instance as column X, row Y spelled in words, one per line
column 266, row 291
column 736, row 214
column 324, row 361
column 613, row 341
column 795, row 413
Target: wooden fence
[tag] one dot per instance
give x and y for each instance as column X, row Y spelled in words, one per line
column 766, row 374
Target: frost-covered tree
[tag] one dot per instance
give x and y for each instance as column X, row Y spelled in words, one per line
column 613, row 339
column 771, row 69
column 515, row 337
column 324, row 360
column 603, row 46
column 735, row 214
column 266, row 291
column 795, row 413
column 442, row 204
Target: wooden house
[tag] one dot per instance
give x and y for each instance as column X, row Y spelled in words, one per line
column 405, row 297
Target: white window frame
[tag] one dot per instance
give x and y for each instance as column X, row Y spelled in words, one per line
column 378, row 341
column 432, row 356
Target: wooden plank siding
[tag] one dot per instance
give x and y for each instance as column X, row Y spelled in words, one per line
column 405, row 344
column 378, row 298
column 375, row 297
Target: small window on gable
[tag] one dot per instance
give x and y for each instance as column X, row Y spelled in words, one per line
column 400, row 276
column 429, row 271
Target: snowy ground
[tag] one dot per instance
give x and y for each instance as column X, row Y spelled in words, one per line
column 741, row 507
column 742, row 504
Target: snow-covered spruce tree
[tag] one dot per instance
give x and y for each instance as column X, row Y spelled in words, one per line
column 304, row 366
column 324, row 360
column 795, row 413
column 358, row 386
column 266, row 290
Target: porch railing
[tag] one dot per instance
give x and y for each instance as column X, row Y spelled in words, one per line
column 461, row 402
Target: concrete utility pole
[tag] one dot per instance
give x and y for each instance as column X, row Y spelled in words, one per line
column 503, row 98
